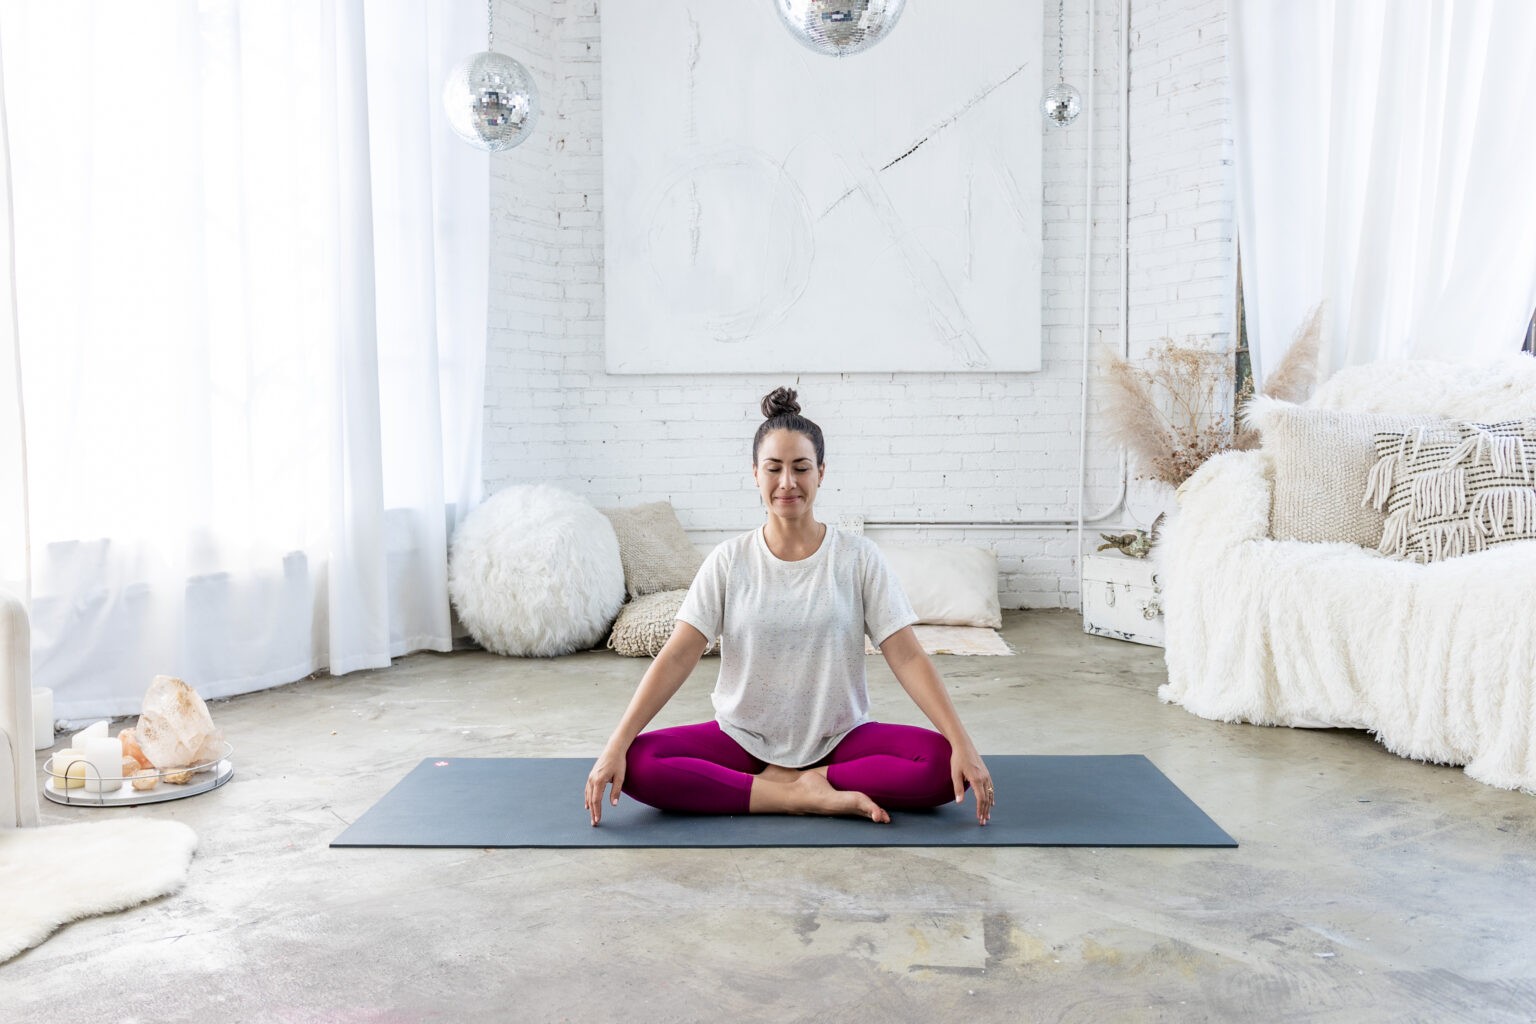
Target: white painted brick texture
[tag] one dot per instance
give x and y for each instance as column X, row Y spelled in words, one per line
column 970, row 447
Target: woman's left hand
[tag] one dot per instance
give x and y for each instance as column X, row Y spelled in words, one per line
column 966, row 766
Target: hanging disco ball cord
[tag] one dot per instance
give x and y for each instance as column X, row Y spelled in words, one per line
column 1062, row 103
column 839, row 28
column 490, row 98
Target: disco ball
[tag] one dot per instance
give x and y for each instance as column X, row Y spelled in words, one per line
column 838, row 28
column 491, row 101
column 1062, row 104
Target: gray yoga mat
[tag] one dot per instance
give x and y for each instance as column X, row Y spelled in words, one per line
column 1043, row 800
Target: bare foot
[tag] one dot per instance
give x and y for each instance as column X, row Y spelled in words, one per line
column 820, row 798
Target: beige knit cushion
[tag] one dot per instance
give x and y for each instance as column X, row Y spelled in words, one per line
column 645, row 624
column 1455, row 489
column 656, row 553
column 1321, row 458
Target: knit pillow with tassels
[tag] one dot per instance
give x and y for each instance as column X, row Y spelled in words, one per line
column 1454, row 488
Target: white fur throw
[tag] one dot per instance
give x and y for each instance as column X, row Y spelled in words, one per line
column 535, row 572
column 1501, row 389
column 1429, row 658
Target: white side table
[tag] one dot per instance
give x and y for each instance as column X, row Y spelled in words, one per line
column 1122, row 598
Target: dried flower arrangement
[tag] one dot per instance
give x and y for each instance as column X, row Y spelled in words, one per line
column 1183, row 404
column 1176, row 410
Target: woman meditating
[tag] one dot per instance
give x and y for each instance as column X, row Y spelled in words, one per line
column 791, row 603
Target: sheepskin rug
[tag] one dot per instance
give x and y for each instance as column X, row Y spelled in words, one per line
column 535, row 572
column 56, row 874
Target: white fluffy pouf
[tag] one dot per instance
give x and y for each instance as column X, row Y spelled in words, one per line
column 535, row 572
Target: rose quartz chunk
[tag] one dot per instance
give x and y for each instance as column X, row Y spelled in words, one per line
column 176, row 730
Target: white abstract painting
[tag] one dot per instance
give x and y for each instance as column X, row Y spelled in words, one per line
column 767, row 209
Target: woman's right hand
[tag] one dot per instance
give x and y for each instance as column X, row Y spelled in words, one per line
column 678, row 657
column 609, row 770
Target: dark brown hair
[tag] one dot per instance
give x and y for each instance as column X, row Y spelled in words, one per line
column 782, row 412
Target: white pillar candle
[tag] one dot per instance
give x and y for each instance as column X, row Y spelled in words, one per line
column 95, row 729
column 105, row 774
column 69, row 769
column 42, row 718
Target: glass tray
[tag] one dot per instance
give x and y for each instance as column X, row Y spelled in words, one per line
column 206, row 776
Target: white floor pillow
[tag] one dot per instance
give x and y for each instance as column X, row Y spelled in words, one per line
column 535, row 572
column 948, row 585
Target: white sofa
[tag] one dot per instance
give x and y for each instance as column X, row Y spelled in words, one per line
column 18, row 761
column 1437, row 660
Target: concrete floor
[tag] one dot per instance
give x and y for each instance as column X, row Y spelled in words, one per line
column 1367, row 887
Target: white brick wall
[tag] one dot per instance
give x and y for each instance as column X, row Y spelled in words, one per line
column 970, row 447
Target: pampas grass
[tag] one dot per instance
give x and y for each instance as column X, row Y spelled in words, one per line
column 1296, row 376
column 1136, row 421
column 1183, row 403
column 1294, row 379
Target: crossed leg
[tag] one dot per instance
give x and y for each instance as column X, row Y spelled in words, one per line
column 699, row 769
column 902, row 767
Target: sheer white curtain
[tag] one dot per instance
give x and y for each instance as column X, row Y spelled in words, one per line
column 1384, row 156
column 251, row 290
column 13, row 462
column 18, row 768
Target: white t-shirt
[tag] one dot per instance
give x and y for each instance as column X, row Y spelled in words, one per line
column 791, row 679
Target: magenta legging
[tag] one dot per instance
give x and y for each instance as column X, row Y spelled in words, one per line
column 701, row 770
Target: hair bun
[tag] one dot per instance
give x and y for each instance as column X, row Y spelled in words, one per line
column 780, row 401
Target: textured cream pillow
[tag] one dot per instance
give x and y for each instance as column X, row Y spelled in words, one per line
column 1455, row 489
column 949, row 585
column 656, row 553
column 1321, row 458
column 645, row 625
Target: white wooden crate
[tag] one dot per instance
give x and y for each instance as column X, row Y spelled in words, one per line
column 1122, row 598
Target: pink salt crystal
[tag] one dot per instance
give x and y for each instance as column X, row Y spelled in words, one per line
column 130, row 740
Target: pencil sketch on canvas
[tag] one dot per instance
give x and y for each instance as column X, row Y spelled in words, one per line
column 769, row 209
